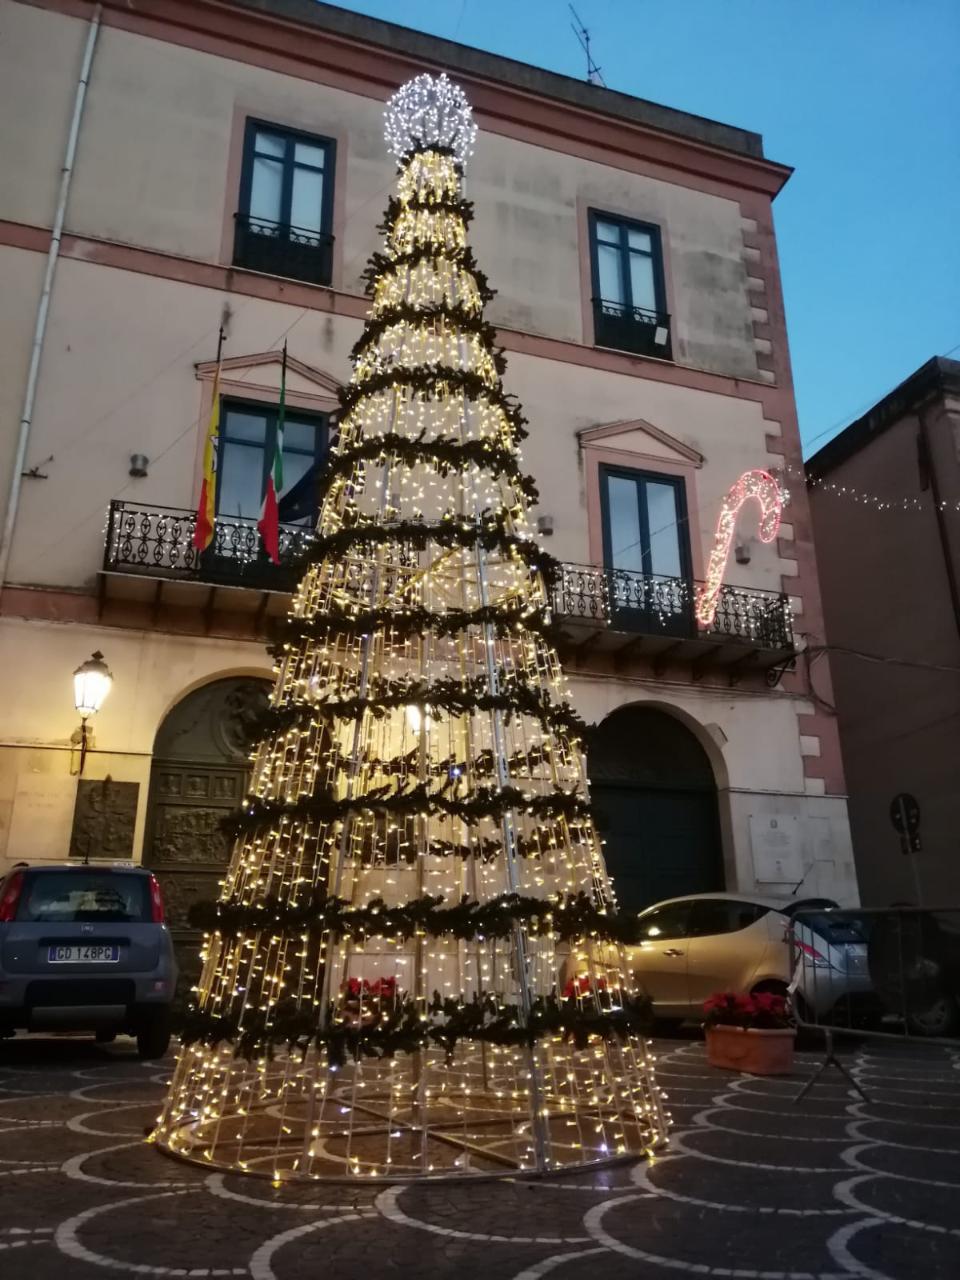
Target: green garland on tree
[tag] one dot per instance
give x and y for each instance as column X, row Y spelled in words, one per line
column 491, row 535
column 444, row 454
column 387, row 1027
column 485, row 802
column 565, row 919
column 452, row 696
column 414, row 621
column 381, row 266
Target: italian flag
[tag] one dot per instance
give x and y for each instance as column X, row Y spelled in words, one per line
column 269, row 522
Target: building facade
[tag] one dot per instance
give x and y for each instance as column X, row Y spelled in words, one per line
column 885, row 497
column 230, row 170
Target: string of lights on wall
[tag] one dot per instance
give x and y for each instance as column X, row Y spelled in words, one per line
column 917, row 502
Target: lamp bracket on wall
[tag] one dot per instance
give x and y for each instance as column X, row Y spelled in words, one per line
column 34, row 473
column 81, row 741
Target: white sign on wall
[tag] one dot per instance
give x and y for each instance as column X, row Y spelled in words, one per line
column 42, row 818
column 777, row 849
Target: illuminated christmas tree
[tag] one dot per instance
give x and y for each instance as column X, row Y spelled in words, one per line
column 415, row 965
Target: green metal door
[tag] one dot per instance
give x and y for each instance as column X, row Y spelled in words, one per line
column 655, row 801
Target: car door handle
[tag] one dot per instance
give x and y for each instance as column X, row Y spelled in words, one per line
column 672, row 951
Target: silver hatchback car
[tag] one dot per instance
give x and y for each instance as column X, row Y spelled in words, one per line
column 85, row 948
column 692, row 947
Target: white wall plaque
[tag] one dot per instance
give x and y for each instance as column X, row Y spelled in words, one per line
column 777, row 849
column 42, row 818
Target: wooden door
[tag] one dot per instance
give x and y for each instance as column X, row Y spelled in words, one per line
column 198, row 777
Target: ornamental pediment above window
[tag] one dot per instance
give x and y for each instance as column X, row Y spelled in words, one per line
column 258, row 376
column 637, row 436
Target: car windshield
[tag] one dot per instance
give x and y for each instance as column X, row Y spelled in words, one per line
column 71, row 897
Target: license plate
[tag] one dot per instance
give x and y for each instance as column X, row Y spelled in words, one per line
column 84, row 953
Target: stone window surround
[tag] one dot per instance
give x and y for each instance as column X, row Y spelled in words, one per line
column 684, row 465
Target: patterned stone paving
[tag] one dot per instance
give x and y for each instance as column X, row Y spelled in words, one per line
column 754, row 1187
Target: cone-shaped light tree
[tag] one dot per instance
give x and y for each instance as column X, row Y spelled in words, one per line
column 415, row 967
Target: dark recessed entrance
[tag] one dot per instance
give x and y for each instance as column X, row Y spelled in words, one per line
column 199, row 774
column 655, row 799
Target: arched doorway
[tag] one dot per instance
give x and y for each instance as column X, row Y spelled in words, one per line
column 655, row 800
column 199, row 774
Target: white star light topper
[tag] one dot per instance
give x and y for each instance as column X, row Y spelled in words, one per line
column 430, row 110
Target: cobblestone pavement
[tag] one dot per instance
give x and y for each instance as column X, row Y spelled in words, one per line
column 754, row 1188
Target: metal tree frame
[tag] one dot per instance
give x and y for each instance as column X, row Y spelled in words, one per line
column 470, row 717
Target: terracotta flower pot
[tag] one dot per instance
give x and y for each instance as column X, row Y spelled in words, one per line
column 757, row 1052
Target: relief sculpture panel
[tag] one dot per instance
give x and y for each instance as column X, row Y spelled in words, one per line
column 198, row 778
column 190, row 836
column 104, row 819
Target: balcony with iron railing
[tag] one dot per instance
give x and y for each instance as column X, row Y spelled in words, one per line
column 279, row 249
column 618, row 611
column 634, row 329
column 149, row 556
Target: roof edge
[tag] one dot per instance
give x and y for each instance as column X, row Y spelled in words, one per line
column 521, row 75
column 938, row 375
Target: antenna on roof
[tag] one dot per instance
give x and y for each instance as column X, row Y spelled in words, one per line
column 594, row 74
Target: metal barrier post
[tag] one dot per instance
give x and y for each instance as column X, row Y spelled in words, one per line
column 889, row 974
column 831, row 1060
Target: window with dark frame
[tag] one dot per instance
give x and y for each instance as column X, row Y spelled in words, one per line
column 646, row 550
column 248, row 436
column 629, row 297
column 285, row 214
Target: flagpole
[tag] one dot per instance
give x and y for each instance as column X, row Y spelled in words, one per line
column 203, row 528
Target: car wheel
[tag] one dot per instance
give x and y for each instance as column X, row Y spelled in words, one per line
column 106, row 1037
column 772, row 985
column 940, row 1018
column 801, row 1010
column 776, row 988
column 153, row 1035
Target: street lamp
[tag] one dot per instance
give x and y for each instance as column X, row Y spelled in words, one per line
column 91, row 684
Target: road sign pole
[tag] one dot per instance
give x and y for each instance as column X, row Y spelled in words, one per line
column 905, row 817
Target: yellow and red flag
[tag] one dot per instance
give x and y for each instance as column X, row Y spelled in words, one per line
column 206, row 508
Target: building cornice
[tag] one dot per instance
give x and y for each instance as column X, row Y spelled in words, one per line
column 938, row 377
column 314, row 42
column 465, row 60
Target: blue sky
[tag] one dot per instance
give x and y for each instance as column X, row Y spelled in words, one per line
column 862, row 97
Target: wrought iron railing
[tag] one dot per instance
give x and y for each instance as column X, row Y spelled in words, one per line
column 158, row 541
column 280, row 249
column 655, row 605
column 645, row 333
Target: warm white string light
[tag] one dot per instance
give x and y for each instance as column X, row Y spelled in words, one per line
column 391, row 778
column 866, row 499
column 430, row 111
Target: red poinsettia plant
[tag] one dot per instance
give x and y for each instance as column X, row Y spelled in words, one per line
column 364, row 1002
column 379, row 989
column 766, row 1010
column 583, row 986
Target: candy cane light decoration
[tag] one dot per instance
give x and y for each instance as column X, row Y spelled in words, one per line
column 772, row 499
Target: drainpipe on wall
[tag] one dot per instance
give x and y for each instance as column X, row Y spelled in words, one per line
column 942, row 530
column 43, row 309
